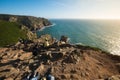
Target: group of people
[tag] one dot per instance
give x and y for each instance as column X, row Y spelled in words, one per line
column 63, row 40
column 36, row 76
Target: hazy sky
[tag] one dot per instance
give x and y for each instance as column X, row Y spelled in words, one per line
column 62, row 8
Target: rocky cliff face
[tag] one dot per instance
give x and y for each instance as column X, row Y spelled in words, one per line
column 33, row 23
column 28, row 23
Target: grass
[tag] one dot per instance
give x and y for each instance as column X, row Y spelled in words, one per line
column 10, row 33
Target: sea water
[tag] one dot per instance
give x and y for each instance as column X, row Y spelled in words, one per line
column 104, row 34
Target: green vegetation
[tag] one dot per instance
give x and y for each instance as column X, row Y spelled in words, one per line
column 10, row 32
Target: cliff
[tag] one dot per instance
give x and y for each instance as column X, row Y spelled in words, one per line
column 33, row 23
column 63, row 61
column 19, row 27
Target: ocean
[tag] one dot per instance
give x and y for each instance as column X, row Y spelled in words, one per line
column 104, row 34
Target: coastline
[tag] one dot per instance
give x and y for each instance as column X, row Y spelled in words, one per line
column 40, row 29
column 95, row 36
column 46, row 27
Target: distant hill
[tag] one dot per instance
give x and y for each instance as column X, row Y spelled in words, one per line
column 33, row 23
column 10, row 32
column 13, row 27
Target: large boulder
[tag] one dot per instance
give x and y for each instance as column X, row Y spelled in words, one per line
column 64, row 39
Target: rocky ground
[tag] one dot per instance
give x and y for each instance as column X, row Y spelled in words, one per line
column 65, row 62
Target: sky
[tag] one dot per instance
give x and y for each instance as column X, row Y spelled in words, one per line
column 73, row 9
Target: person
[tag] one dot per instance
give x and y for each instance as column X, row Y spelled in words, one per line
column 46, row 43
column 32, row 76
column 50, row 77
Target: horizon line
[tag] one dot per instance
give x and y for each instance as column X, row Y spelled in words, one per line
column 83, row 18
column 88, row 18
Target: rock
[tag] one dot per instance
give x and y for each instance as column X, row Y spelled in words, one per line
column 5, row 57
column 73, row 71
column 72, row 59
column 27, row 68
column 16, row 56
column 21, row 46
column 12, row 19
column 41, row 68
column 51, row 71
column 57, row 56
column 31, row 61
column 74, row 76
column 83, row 74
column 69, row 59
column 9, row 79
column 77, row 52
column 31, row 35
column 49, row 54
column 4, row 61
column 46, row 56
column 65, row 76
column 25, row 56
column 64, row 39
column 117, row 77
column 118, row 65
column 48, row 62
column 14, row 71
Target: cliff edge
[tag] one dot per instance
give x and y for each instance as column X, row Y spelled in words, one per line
column 33, row 23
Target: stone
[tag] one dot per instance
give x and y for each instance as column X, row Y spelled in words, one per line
column 64, row 39
column 74, row 76
column 25, row 56
column 116, row 77
column 83, row 74
column 65, row 76
column 118, row 65
column 9, row 79
column 31, row 61
column 40, row 68
column 57, row 56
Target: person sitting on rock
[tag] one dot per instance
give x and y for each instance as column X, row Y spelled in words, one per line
column 46, row 43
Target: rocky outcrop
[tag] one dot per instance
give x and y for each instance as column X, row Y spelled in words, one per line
column 64, row 61
column 30, row 35
column 33, row 23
